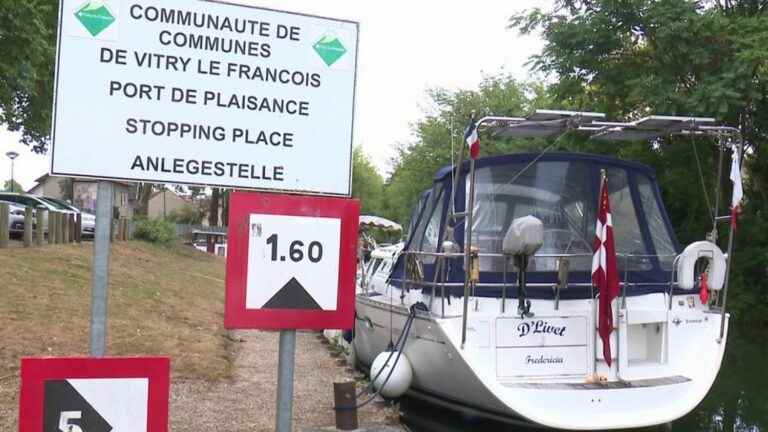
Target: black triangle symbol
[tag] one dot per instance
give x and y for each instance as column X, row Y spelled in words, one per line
column 60, row 397
column 292, row 296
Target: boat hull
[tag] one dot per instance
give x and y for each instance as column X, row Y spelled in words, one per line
column 470, row 379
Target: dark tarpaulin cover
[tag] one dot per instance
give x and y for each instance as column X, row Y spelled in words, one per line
column 652, row 276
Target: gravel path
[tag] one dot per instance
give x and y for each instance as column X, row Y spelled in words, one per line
column 248, row 402
column 9, row 405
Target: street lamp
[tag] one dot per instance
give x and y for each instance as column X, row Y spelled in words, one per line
column 12, row 155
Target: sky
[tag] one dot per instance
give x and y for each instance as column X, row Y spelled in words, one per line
column 405, row 48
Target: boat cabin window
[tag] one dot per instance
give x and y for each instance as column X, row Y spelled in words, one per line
column 427, row 232
column 372, row 267
column 657, row 225
column 423, row 199
column 627, row 237
column 563, row 195
column 432, row 231
column 423, row 219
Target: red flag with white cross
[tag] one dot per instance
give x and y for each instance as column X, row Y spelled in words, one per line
column 605, row 273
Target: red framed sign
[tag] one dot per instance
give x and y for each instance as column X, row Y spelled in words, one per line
column 291, row 261
column 94, row 394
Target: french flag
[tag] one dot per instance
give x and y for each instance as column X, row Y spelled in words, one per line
column 473, row 141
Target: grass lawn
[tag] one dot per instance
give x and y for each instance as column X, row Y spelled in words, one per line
column 163, row 300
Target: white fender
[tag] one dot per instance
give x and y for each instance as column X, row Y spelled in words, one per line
column 686, row 278
column 400, row 379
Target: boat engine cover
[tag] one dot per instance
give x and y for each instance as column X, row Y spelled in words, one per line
column 524, row 236
column 686, row 277
column 401, row 377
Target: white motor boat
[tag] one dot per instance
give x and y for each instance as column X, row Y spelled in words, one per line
column 524, row 346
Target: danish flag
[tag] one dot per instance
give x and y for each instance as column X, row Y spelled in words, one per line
column 605, row 274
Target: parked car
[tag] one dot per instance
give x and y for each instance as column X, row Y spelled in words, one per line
column 28, row 200
column 16, row 218
column 88, row 220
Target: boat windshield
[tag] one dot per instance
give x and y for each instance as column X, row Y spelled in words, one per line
column 563, row 195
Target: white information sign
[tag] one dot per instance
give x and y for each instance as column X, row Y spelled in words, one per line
column 293, row 262
column 203, row 92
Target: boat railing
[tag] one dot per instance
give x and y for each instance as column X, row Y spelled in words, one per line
column 439, row 279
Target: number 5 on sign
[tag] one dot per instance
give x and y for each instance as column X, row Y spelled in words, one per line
column 66, row 417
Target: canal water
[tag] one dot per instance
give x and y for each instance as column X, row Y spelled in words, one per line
column 737, row 402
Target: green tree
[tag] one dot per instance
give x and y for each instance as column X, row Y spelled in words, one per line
column 187, row 214
column 440, row 134
column 66, row 186
column 214, row 207
column 12, row 186
column 676, row 57
column 27, row 51
column 367, row 183
column 143, row 192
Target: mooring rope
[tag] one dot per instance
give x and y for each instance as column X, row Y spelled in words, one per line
column 402, row 339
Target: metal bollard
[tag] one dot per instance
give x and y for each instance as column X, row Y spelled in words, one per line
column 71, row 219
column 65, row 228
column 28, row 227
column 51, row 226
column 5, row 228
column 119, row 235
column 128, row 229
column 345, row 405
column 39, row 227
column 79, row 228
column 59, row 228
column 62, row 227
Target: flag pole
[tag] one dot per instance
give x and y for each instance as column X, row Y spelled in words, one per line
column 731, row 235
column 470, row 211
column 716, row 210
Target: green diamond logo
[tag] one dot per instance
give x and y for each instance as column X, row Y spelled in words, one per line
column 330, row 49
column 95, row 16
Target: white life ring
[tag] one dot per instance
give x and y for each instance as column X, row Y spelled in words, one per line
column 686, row 277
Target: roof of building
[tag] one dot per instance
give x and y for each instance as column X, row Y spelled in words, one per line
column 45, row 177
column 156, row 193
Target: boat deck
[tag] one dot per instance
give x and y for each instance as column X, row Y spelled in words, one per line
column 605, row 385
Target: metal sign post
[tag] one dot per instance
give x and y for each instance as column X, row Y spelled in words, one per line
column 285, row 366
column 100, row 272
column 290, row 265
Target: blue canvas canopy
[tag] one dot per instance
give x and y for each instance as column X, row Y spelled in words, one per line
column 560, row 189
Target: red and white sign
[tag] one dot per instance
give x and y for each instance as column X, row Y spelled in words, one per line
column 94, row 394
column 291, row 261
